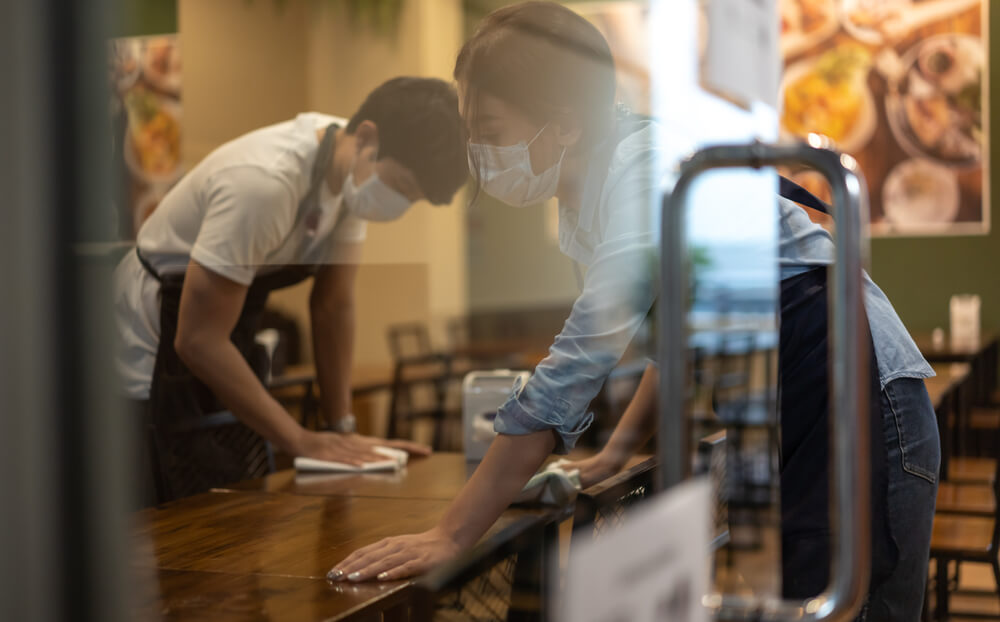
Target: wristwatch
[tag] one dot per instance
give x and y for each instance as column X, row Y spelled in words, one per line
column 347, row 424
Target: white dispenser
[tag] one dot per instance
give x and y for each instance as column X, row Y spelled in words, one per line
column 482, row 393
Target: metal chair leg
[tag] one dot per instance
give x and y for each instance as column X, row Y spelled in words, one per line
column 996, row 573
column 942, row 590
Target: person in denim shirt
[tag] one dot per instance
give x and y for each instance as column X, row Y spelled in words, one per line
column 537, row 84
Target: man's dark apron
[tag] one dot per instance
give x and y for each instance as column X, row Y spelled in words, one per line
column 196, row 445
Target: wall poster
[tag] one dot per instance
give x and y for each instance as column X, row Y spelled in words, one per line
column 901, row 85
column 145, row 85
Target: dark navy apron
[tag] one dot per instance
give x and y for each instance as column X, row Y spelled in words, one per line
column 803, row 370
column 195, row 444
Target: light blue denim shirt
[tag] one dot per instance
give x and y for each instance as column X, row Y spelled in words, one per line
column 804, row 245
column 614, row 237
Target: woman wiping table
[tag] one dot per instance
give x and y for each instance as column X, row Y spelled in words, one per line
column 537, row 87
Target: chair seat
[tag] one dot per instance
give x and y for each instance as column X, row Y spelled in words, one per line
column 984, row 419
column 975, row 499
column 961, row 536
column 971, row 470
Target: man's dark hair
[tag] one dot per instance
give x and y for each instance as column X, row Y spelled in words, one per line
column 419, row 127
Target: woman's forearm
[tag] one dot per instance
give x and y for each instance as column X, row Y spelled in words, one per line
column 506, row 468
column 639, row 420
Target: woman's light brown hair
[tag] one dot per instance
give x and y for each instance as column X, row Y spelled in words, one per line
column 546, row 61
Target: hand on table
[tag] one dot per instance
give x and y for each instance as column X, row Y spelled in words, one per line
column 395, row 558
column 597, row 468
column 351, row 448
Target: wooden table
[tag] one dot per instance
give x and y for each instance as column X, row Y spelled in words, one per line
column 196, row 596
column 949, row 352
column 261, row 556
column 297, row 385
column 260, row 549
column 981, row 356
column 439, row 476
column 364, row 380
column 946, row 393
column 950, row 377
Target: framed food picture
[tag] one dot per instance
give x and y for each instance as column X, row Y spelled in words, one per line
column 901, row 85
column 144, row 76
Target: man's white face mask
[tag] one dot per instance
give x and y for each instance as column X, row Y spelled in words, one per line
column 374, row 199
column 507, row 175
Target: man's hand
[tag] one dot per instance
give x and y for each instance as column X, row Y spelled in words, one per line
column 350, row 448
column 398, row 557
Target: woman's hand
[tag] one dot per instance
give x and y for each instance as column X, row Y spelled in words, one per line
column 350, row 448
column 395, row 558
column 597, row 468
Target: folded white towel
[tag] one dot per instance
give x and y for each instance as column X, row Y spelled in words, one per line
column 395, row 460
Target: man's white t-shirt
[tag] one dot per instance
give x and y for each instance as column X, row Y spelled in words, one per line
column 235, row 214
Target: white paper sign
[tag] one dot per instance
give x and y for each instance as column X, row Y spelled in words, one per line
column 654, row 569
column 741, row 52
column 964, row 315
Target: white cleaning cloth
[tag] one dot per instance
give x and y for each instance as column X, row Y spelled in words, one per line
column 554, row 485
column 395, row 460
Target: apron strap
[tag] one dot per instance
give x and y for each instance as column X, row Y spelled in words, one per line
column 324, row 156
column 148, row 266
column 794, row 192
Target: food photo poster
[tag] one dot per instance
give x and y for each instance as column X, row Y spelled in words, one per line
column 901, row 85
column 144, row 76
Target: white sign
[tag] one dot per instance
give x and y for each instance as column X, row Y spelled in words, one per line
column 654, row 569
column 741, row 50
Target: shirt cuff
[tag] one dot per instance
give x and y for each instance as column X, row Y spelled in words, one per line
column 521, row 415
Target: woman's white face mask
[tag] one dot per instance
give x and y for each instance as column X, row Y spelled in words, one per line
column 374, row 199
column 507, row 175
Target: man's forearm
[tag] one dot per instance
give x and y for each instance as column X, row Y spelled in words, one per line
column 220, row 365
column 333, row 350
column 506, row 468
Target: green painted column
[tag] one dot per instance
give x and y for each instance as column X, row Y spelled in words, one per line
column 132, row 18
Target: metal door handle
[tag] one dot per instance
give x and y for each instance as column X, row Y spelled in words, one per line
column 849, row 389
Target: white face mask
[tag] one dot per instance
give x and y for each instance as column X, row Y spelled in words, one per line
column 507, row 175
column 374, row 200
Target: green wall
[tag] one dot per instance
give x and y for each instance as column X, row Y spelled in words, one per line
column 132, row 18
column 920, row 274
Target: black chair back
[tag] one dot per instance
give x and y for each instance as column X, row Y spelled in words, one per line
column 604, row 507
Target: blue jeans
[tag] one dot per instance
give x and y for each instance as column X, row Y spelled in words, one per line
column 914, row 456
column 905, row 456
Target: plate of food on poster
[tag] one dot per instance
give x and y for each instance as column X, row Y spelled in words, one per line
column 901, row 85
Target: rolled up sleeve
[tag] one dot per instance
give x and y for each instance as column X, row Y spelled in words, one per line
column 619, row 290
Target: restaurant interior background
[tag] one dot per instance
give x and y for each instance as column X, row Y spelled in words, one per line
column 248, row 63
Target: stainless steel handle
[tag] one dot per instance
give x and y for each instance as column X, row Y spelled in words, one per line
column 849, row 389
